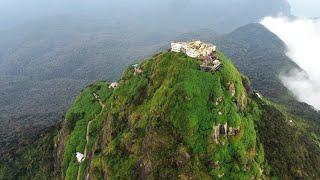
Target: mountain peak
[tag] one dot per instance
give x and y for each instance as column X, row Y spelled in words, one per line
column 170, row 120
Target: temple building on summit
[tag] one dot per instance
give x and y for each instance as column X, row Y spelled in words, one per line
column 199, row 50
column 194, row 49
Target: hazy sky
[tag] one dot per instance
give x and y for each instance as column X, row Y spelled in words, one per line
column 180, row 12
column 305, row 8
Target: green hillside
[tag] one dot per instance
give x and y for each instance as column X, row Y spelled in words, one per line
column 176, row 121
column 161, row 124
column 172, row 121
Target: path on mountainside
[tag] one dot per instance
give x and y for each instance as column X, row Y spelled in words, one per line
column 102, row 105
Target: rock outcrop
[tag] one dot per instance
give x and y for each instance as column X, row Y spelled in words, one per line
column 225, row 130
column 232, row 89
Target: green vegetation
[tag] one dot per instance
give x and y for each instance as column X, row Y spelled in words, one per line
column 292, row 151
column 261, row 55
column 172, row 121
column 161, row 123
column 33, row 161
column 85, row 109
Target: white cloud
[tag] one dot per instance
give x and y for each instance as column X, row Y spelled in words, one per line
column 305, row 89
column 302, row 36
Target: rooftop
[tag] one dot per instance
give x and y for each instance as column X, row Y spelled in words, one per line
column 195, row 49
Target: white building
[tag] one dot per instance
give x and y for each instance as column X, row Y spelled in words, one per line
column 113, row 85
column 192, row 53
column 80, row 157
column 176, row 47
column 194, row 49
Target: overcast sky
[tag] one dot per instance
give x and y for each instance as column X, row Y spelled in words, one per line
column 305, row 8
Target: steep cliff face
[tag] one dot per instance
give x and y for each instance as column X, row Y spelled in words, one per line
column 171, row 120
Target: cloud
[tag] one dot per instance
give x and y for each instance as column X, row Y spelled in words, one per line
column 302, row 37
column 305, row 89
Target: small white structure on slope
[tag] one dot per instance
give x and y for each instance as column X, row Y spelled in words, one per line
column 194, row 49
column 259, row 95
column 80, row 157
column 113, row 85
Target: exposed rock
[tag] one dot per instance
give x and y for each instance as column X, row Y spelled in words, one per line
column 246, row 84
column 137, row 71
column 145, row 167
column 183, row 156
column 223, row 129
column 216, row 133
column 215, row 165
column 232, row 89
column 233, row 131
column 218, row 101
column 219, row 129
column 241, row 102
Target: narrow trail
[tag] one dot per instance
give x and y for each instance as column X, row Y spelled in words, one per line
column 102, row 105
